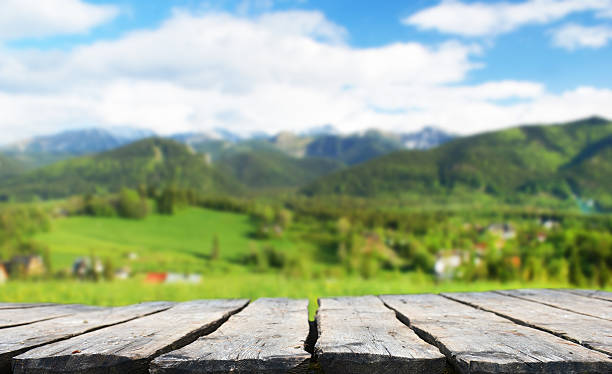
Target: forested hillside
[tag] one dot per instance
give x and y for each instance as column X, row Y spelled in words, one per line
column 9, row 167
column 152, row 162
column 264, row 169
column 561, row 160
column 353, row 149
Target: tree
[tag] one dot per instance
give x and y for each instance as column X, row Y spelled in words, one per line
column 166, row 202
column 130, row 205
column 216, row 250
column 343, row 225
column 143, row 191
column 284, row 217
column 98, row 206
column 576, row 276
column 109, row 269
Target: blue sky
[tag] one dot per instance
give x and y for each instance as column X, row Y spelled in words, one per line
column 272, row 65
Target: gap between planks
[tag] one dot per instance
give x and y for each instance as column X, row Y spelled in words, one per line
column 592, row 307
column 591, row 294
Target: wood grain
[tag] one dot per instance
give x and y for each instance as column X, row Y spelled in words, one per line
column 566, row 301
column 476, row 341
column 268, row 336
column 16, row 340
column 18, row 317
column 361, row 335
column 130, row 346
column 588, row 331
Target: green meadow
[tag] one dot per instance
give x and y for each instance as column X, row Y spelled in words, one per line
column 183, row 243
column 178, row 243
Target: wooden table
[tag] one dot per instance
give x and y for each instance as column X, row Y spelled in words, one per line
column 519, row 331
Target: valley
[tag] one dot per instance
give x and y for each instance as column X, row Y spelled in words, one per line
column 164, row 218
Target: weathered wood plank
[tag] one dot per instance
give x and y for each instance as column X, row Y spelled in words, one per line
column 566, row 301
column 361, row 335
column 268, row 336
column 596, row 294
column 130, row 346
column 477, row 341
column 589, row 331
column 16, row 340
column 13, row 317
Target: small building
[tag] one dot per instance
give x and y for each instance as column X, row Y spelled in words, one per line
column 80, row 267
column 549, row 224
column 542, row 237
column 83, row 267
column 29, row 266
column 132, row 256
column 183, row 278
column 3, row 273
column 515, row 261
column 503, row 230
column 123, row 273
column 447, row 263
column 156, row 278
column 481, row 247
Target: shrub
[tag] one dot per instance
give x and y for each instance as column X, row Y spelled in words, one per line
column 131, row 205
column 98, row 207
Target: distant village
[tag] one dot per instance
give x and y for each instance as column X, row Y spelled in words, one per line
column 86, row 268
column 449, row 261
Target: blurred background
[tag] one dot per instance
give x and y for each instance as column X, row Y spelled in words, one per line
column 199, row 149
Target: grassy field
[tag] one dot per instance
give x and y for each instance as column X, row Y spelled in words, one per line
column 178, row 243
column 183, row 243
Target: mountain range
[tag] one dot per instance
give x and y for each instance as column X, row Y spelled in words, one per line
column 563, row 162
column 322, row 142
column 44, row 150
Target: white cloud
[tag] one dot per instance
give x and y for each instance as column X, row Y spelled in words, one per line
column 194, row 70
column 605, row 13
column 573, row 36
column 304, row 23
column 490, row 19
column 39, row 18
column 201, row 71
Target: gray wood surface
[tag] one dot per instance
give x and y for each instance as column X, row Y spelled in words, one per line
column 16, row 340
column 18, row 317
column 130, row 346
column 602, row 295
column 566, row 301
column 477, row 341
column 592, row 332
column 361, row 335
column 268, row 336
